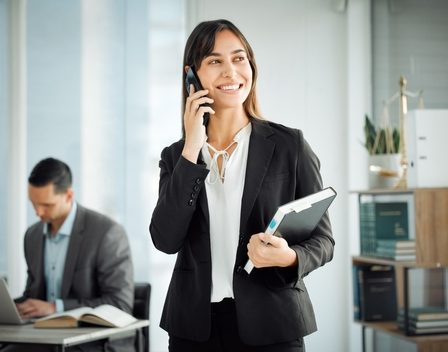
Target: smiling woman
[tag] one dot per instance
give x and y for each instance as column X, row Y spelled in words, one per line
column 229, row 67
column 226, row 73
column 212, row 179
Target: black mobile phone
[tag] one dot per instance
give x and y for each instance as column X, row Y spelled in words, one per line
column 192, row 78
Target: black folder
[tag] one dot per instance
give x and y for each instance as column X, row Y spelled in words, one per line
column 297, row 219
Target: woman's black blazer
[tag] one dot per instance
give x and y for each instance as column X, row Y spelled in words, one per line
column 272, row 304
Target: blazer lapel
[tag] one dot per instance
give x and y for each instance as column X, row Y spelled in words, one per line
column 39, row 264
column 72, row 251
column 260, row 154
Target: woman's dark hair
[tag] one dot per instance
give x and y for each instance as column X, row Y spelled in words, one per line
column 53, row 171
column 200, row 44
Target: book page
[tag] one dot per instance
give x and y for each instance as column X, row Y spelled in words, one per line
column 74, row 313
column 62, row 320
column 108, row 315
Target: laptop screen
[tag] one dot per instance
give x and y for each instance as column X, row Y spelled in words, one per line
column 8, row 309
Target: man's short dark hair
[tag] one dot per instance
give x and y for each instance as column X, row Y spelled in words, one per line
column 51, row 171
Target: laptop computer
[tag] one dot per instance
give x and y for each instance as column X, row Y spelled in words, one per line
column 8, row 310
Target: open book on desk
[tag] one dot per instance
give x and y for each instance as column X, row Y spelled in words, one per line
column 299, row 217
column 104, row 315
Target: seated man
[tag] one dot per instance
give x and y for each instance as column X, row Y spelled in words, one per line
column 75, row 256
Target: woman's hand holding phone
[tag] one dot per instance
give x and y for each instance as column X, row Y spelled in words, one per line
column 195, row 132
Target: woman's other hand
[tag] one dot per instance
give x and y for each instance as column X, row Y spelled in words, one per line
column 266, row 250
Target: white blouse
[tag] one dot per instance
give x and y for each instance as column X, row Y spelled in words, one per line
column 224, row 193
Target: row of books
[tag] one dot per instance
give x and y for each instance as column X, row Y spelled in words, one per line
column 397, row 250
column 425, row 320
column 386, row 227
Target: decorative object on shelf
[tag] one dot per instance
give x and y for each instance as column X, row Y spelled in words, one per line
column 387, row 145
column 403, row 95
column 384, row 140
column 382, row 144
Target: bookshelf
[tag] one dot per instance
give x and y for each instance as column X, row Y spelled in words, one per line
column 428, row 227
column 426, row 343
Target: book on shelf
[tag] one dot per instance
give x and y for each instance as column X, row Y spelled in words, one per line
column 296, row 220
column 421, row 331
column 426, row 313
column 399, row 250
column 356, row 298
column 393, row 252
column 398, row 257
column 384, row 218
column 396, row 244
column 376, row 293
column 428, row 329
column 429, row 324
column 103, row 315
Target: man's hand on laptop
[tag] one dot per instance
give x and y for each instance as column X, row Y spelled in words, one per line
column 35, row 308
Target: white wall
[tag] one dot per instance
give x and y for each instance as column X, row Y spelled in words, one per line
column 16, row 79
column 404, row 44
column 359, row 103
column 4, row 107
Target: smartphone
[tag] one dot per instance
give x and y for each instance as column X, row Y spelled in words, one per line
column 192, row 78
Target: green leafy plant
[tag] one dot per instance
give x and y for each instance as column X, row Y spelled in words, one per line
column 385, row 140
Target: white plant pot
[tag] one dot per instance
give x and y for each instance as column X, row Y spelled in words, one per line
column 384, row 170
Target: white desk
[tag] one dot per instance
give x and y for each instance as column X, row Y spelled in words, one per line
column 62, row 338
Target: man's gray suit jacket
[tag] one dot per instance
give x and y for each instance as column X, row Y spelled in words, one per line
column 98, row 266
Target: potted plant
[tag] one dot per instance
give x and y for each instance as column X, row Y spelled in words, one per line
column 383, row 140
column 383, row 146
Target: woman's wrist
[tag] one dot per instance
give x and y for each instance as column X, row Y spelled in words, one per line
column 290, row 259
column 190, row 154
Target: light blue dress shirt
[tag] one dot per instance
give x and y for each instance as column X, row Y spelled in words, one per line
column 54, row 259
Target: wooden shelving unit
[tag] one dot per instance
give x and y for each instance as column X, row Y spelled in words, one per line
column 431, row 236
